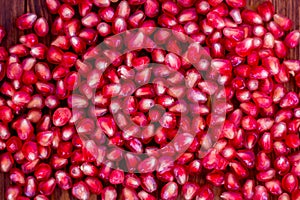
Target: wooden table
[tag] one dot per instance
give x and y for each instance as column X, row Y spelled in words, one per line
column 11, row 9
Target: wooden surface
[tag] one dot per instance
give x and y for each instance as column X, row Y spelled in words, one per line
column 10, row 9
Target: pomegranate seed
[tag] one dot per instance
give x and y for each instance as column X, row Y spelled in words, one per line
column 61, row 116
column 149, row 183
column 266, row 10
column 54, row 55
column 63, row 180
column 292, row 140
column 236, row 3
column 129, row 193
column 170, row 7
column 260, row 192
column 80, row 190
column 78, row 44
column 12, row 192
column 205, row 192
column 123, row 9
column 231, row 195
column 169, row 191
column 263, row 162
column 215, row 20
column 248, row 189
column 292, row 39
column 251, row 17
column 144, row 195
column 216, row 178
column 30, row 188
column 47, row 187
column 66, row 12
column 147, row 165
column 43, row 172
column 132, row 181
column 109, row 192
column 190, row 190
column 6, row 116
column 119, row 25
column 274, row 187
column 29, row 40
column 231, row 182
column 282, row 165
column 29, row 150
column 116, row 177
column 245, row 47
column 284, row 22
column 101, row 3
column 53, row 6
column 180, row 174
column 6, row 161
column 26, row 21
column 284, row 196
column 94, row 185
column 41, row 197
column 239, row 169
column 289, row 182
column 41, row 27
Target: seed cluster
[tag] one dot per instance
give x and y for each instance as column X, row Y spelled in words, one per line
column 159, row 110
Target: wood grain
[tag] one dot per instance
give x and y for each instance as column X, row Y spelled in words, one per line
column 11, row 9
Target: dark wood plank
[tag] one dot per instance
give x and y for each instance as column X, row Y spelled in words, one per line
column 9, row 12
column 11, row 9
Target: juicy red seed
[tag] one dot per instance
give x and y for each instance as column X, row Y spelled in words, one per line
column 263, row 162
column 274, row 187
column 236, row 3
column 102, row 3
column 6, row 114
column 64, row 149
column 29, row 150
column 61, row 116
column 30, row 186
column 13, row 192
column 43, row 172
column 216, row 178
column 215, row 20
column 47, row 187
column 53, row 6
column 266, row 10
column 54, row 55
column 292, row 140
column 251, row 17
column 19, row 50
column 41, row 27
column 292, row 39
column 284, row 22
column 266, row 175
column 63, row 180
column 26, row 21
column 119, row 25
column 116, row 177
column 169, row 191
column 289, row 182
column 109, row 192
column 66, row 12
column 149, row 183
column 282, row 164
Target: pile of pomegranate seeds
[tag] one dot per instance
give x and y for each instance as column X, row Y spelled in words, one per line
column 254, row 153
